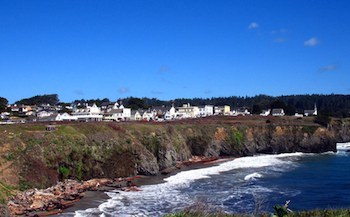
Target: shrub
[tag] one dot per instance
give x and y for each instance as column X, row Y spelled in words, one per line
column 64, row 171
column 322, row 120
column 236, row 137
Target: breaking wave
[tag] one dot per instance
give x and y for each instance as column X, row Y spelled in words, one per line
column 252, row 176
column 229, row 182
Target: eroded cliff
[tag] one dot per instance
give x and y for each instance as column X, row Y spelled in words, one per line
column 30, row 156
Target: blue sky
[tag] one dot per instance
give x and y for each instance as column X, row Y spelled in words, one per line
column 173, row 48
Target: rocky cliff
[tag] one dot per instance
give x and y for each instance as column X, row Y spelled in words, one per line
column 30, row 156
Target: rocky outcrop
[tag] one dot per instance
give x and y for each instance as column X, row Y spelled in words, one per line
column 63, row 194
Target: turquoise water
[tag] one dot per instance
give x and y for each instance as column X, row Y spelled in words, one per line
column 244, row 185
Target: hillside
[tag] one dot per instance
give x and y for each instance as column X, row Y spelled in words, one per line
column 31, row 157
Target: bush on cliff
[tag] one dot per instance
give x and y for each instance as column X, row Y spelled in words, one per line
column 236, row 137
column 322, row 120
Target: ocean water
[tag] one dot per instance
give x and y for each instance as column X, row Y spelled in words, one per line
column 244, row 185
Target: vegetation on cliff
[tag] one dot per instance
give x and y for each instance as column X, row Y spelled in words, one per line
column 31, row 157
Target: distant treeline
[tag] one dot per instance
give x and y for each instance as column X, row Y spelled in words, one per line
column 51, row 99
column 331, row 105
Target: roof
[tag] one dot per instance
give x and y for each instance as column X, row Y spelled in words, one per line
column 160, row 108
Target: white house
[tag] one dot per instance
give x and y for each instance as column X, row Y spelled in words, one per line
column 117, row 113
column 277, row 112
column 66, row 117
column 90, row 113
column 222, row 110
column 114, row 115
column 311, row 112
column 14, row 108
column 170, row 114
column 44, row 113
column 241, row 111
column 265, row 112
column 207, row 110
column 148, row 115
column 298, row 115
column 188, row 111
column 135, row 115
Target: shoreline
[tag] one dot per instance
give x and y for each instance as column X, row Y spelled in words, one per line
column 68, row 196
column 94, row 198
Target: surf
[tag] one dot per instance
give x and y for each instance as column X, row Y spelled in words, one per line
column 174, row 194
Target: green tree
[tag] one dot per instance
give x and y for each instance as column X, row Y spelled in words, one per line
column 323, row 120
column 51, row 99
column 256, row 109
column 278, row 104
column 135, row 103
column 3, row 104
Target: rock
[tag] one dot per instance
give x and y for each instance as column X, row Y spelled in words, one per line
column 93, row 184
column 147, row 163
column 62, row 195
column 132, row 188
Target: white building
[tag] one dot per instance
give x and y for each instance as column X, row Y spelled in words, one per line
column 135, row 116
column 117, row 113
column 148, row 115
column 43, row 114
column 120, row 114
column 277, row 112
column 207, row 110
column 240, row 111
column 66, row 117
column 265, row 112
column 90, row 113
column 311, row 112
column 222, row 110
column 188, row 111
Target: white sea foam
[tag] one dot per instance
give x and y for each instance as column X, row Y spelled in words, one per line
column 156, row 200
column 239, row 163
column 252, row 176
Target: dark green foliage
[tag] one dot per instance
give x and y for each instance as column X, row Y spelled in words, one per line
column 51, row 99
column 5, row 192
column 256, row 109
column 236, row 137
column 79, row 170
column 135, row 103
column 290, row 110
column 280, row 211
column 64, row 171
column 278, row 104
column 24, row 185
column 98, row 102
column 3, row 104
column 309, row 129
column 322, row 120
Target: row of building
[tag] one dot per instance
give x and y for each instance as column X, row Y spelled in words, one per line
column 117, row 112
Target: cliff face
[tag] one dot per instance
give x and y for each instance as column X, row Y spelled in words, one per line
column 33, row 157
